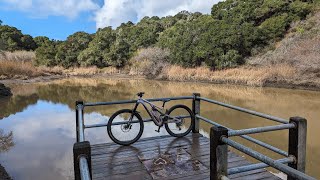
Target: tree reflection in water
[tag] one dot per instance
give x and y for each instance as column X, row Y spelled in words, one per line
column 6, row 141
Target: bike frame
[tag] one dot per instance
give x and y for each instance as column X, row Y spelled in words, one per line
column 158, row 122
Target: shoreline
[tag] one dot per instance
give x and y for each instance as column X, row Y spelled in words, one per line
column 283, row 85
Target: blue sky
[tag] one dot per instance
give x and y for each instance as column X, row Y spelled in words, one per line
column 57, row 19
column 55, row 27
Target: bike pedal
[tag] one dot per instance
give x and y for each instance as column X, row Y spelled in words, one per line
column 158, row 130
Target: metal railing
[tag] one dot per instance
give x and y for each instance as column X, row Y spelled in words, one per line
column 219, row 141
column 81, row 149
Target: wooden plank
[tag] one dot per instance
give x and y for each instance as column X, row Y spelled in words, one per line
column 140, row 144
column 112, row 161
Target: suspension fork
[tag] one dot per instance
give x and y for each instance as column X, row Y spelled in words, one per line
column 133, row 111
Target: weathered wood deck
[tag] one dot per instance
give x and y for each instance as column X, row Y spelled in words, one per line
column 163, row 157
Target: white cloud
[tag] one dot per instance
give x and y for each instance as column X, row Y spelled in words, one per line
column 112, row 13
column 115, row 12
column 41, row 8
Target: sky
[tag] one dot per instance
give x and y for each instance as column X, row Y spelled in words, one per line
column 57, row 19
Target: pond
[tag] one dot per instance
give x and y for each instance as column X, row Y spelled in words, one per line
column 38, row 122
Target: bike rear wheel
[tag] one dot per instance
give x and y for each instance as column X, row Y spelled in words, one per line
column 123, row 132
column 180, row 121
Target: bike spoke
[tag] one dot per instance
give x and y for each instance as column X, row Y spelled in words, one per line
column 124, row 130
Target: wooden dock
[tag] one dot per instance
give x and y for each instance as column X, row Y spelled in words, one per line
column 164, row 157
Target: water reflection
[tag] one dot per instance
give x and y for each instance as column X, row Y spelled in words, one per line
column 6, row 141
column 42, row 118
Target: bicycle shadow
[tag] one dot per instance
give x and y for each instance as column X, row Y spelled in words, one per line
column 173, row 159
column 160, row 157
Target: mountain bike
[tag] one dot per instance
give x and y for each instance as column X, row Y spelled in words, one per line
column 126, row 126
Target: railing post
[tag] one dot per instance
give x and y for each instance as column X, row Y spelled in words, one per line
column 298, row 143
column 81, row 149
column 196, row 111
column 77, row 122
column 218, row 153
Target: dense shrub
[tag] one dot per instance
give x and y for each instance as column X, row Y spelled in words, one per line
column 100, row 45
column 69, row 50
column 11, row 39
column 45, row 54
column 150, row 61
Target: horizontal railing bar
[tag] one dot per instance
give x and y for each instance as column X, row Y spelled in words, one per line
column 119, row 123
column 260, row 129
column 263, row 144
column 266, row 116
column 95, row 125
column 116, row 123
column 257, row 166
column 84, row 168
column 134, row 101
column 281, row 167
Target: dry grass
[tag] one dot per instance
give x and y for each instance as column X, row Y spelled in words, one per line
column 149, row 62
column 299, row 49
column 17, row 69
column 87, row 71
column 18, row 65
column 252, row 76
column 25, row 56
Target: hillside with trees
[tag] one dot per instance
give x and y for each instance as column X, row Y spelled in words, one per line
column 234, row 32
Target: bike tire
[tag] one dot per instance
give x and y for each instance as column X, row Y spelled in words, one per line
column 181, row 106
column 112, row 118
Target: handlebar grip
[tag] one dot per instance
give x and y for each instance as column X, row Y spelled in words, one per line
column 140, row 94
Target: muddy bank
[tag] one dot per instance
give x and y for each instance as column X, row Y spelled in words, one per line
column 273, row 84
column 3, row 174
column 276, row 84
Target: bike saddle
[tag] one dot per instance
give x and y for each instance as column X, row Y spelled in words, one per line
column 166, row 100
column 140, row 94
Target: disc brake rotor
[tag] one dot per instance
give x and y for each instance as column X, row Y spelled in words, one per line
column 181, row 121
column 126, row 127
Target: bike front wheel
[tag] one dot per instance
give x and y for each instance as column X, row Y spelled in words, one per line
column 121, row 130
column 180, row 120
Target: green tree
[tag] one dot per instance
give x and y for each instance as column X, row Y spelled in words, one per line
column 118, row 54
column 69, row 50
column 12, row 39
column 28, row 43
column 41, row 40
column 45, row 54
column 101, row 44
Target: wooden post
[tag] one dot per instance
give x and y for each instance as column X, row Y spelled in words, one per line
column 298, row 143
column 81, row 148
column 218, row 153
column 196, row 111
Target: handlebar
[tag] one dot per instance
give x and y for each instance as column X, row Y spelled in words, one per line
column 140, row 94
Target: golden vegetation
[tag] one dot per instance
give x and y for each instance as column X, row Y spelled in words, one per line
column 244, row 75
column 87, row 71
column 17, row 64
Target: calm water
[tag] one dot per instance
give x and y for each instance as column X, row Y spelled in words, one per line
column 41, row 118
